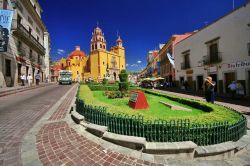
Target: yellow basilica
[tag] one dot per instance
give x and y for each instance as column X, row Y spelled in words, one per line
column 100, row 63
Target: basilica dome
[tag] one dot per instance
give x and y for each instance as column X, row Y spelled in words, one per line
column 77, row 53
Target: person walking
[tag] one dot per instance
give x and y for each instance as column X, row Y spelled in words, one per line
column 209, row 89
column 23, row 78
column 29, row 78
column 37, row 77
column 232, row 87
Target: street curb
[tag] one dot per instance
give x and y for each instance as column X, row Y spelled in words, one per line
column 29, row 153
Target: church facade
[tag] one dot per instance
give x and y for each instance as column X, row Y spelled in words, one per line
column 100, row 63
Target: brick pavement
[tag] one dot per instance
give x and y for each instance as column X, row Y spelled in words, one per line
column 58, row 144
column 18, row 113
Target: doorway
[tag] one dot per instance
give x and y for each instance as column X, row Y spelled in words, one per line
column 19, row 67
column 33, row 75
column 200, row 83
column 229, row 77
column 27, row 73
column 248, row 83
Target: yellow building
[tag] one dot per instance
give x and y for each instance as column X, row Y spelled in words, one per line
column 100, row 63
column 77, row 63
column 105, row 63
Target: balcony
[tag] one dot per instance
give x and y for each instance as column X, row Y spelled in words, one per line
column 21, row 32
column 21, row 52
column 212, row 59
column 185, row 65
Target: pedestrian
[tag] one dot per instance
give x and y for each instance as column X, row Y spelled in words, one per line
column 29, row 78
column 37, row 77
column 239, row 89
column 232, row 87
column 23, row 78
column 209, row 89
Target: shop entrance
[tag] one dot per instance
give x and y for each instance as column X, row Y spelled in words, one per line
column 19, row 67
column 229, row 77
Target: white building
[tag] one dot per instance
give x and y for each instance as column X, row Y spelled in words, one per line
column 221, row 50
column 29, row 44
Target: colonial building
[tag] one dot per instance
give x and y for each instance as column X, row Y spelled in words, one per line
column 167, row 56
column 153, row 66
column 104, row 63
column 29, row 43
column 100, row 63
column 221, row 50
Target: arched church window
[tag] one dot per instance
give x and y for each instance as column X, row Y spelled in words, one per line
column 95, row 46
column 104, row 46
column 100, row 45
column 92, row 47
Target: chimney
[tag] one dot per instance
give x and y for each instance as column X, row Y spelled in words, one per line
column 78, row 48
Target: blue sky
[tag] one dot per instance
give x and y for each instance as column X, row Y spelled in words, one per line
column 142, row 24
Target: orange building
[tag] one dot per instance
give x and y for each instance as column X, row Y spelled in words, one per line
column 167, row 56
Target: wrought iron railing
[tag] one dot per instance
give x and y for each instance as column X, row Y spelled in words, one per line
column 185, row 65
column 32, row 40
column 162, row 130
column 213, row 58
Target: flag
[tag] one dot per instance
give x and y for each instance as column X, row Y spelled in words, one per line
column 5, row 25
column 171, row 60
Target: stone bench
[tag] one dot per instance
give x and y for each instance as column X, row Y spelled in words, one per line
column 77, row 117
column 97, row 130
column 175, row 107
column 124, row 140
column 218, row 151
column 173, row 149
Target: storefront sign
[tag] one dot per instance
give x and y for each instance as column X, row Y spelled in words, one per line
column 5, row 25
column 241, row 64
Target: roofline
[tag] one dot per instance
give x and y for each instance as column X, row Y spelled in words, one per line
column 244, row 5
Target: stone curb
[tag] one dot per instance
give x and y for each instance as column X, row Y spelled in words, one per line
column 191, row 150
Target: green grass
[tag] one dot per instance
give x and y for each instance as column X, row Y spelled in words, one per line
column 157, row 110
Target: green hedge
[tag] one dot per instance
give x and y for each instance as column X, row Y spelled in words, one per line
column 189, row 102
column 103, row 87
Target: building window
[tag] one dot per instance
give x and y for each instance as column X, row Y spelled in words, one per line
column 30, row 30
column 30, row 21
column 186, row 63
column 92, row 47
column 95, row 46
column 100, row 45
column 248, row 45
column 19, row 45
column 213, row 52
column 19, row 19
column 37, row 38
column 5, row 4
column 30, row 53
column 38, row 59
column 104, row 47
column 103, row 63
column 7, row 67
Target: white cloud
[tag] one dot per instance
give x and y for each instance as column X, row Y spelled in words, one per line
column 139, row 61
column 127, row 64
column 60, row 51
column 134, row 65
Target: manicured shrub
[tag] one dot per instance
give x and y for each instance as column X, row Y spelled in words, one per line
column 103, row 87
column 123, row 85
column 113, row 94
column 104, row 81
column 189, row 102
